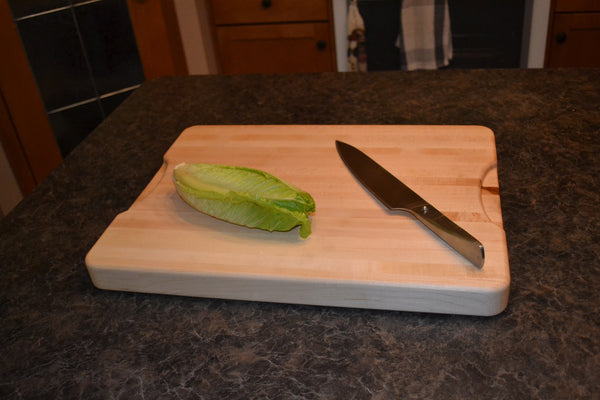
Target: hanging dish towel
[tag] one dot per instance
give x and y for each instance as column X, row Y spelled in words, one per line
column 357, row 45
column 424, row 38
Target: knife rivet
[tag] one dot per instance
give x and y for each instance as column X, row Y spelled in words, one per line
column 424, row 209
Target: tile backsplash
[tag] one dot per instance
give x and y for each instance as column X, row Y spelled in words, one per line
column 57, row 59
column 84, row 58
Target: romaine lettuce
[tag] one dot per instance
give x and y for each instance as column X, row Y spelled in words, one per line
column 244, row 196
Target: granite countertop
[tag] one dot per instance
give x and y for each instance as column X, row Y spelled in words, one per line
column 63, row 338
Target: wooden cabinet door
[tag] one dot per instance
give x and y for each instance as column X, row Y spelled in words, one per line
column 234, row 12
column 574, row 40
column 272, row 48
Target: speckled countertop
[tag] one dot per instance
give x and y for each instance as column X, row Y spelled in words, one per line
column 63, row 338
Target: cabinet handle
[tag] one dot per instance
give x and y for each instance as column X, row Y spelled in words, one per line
column 265, row 3
column 561, row 37
column 321, row 45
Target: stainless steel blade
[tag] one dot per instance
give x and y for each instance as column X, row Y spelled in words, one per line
column 395, row 195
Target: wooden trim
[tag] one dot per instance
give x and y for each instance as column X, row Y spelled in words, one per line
column 212, row 29
column 14, row 151
column 26, row 132
column 158, row 39
column 207, row 28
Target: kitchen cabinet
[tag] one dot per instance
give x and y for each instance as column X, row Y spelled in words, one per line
column 574, row 34
column 274, row 36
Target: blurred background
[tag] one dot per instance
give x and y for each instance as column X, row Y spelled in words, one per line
column 67, row 64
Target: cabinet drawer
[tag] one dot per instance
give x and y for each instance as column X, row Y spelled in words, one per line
column 230, row 12
column 303, row 47
column 574, row 40
column 577, row 5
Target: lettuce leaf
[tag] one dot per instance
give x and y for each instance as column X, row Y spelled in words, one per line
column 244, row 196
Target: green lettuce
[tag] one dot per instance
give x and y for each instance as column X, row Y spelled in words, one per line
column 244, row 196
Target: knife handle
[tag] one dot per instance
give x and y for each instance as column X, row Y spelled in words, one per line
column 459, row 239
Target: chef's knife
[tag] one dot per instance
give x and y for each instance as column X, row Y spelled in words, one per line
column 395, row 195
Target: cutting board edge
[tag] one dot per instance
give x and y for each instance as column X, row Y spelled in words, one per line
column 414, row 297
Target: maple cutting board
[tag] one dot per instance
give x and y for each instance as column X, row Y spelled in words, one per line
column 358, row 255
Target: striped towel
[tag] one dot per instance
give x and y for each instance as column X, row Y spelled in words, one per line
column 424, row 37
column 357, row 44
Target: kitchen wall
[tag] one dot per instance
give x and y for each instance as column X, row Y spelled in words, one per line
column 194, row 26
column 537, row 14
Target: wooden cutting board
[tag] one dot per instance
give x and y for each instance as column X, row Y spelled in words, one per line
column 358, row 255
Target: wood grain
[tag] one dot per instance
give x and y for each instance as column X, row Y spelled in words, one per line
column 577, row 6
column 359, row 254
column 231, row 12
column 291, row 36
column 276, row 48
column 580, row 46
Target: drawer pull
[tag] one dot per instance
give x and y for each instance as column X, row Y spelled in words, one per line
column 321, row 45
column 265, row 4
column 561, row 37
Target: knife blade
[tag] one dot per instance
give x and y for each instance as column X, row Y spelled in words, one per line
column 395, row 195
